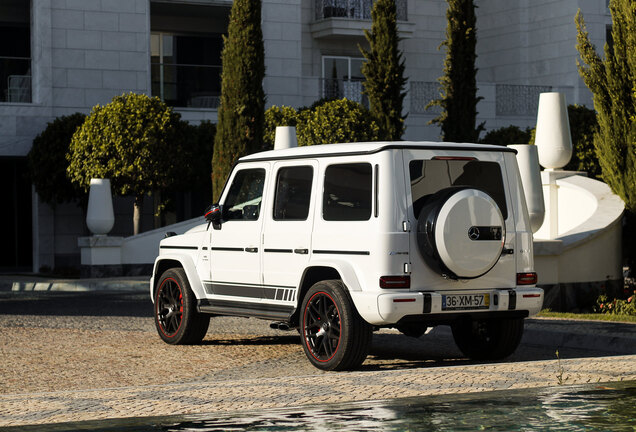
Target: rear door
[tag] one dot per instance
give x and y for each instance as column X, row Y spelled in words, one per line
column 428, row 172
column 288, row 228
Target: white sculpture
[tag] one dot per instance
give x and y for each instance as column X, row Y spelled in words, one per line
column 553, row 131
column 100, row 217
column 528, row 161
column 285, row 137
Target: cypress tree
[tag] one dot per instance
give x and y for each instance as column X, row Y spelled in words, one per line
column 612, row 81
column 241, row 112
column 459, row 86
column 384, row 71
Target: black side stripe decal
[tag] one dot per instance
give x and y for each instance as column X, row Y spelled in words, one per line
column 179, row 247
column 335, row 252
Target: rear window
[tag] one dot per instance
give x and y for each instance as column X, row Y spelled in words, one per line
column 347, row 192
column 431, row 176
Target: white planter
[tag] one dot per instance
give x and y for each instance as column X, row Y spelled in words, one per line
column 553, row 131
column 528, row 161
column 100, row 217
column 285, row 137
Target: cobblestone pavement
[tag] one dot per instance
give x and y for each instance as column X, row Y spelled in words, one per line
column 73, row 357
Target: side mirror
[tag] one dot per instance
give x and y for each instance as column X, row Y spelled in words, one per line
column 213, row 216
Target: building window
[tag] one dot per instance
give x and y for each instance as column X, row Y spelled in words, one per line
column 343, row 78
column 15, row 51
column 186, row 43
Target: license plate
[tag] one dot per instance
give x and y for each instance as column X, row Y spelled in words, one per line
column 465, row 301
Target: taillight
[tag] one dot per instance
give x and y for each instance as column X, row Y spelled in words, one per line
column 526, row 278
column 395, row 282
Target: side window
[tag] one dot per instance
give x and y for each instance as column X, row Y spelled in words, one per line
column 347, row 192
column 243, row 201
column 293, row 193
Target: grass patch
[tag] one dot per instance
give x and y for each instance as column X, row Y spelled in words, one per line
column 587, row 316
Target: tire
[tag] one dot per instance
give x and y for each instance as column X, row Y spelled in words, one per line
column 334, row 336
column 493, row 339
column 175, row 310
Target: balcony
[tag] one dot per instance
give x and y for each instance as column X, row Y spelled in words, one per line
column 349, row 18
column 333, row 88
column 15, row 79
column 192, row 86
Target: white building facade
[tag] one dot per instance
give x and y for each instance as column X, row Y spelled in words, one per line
column 58, row 57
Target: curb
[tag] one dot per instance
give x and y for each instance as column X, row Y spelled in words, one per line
column 23, row 284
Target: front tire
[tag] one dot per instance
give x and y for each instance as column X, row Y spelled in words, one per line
column 334, row 335
column 176, row 317
column 493, row 339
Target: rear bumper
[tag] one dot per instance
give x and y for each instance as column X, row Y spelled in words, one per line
column 382, row 308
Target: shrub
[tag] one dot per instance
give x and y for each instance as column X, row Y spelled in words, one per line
column 134, row 141
column 507, row 135
column 47, row 161
column 384, row 71
column 335, row 122
column 616, row 306
column 241, row 113
column 583, row 126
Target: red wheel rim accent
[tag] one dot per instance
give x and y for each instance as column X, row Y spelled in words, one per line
column 169, row 307
column 322, row 327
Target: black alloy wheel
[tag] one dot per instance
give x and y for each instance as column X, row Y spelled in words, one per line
column 169, row 306
column 322, row 326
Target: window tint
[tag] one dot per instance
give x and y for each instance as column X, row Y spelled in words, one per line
column 243, row 201
column 293, row 193
column 347, row 192
column 430, row 176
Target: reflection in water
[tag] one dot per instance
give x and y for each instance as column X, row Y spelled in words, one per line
column 602, row 407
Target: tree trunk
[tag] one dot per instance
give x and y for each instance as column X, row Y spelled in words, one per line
column 139, row 201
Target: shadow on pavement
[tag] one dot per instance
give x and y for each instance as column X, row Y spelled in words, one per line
column 116, row 304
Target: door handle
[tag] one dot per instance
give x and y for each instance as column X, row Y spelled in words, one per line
column 301, row 251
column 251, row 249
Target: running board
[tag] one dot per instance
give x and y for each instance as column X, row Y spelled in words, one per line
column 245, row 309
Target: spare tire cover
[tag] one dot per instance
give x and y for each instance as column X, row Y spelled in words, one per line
column 461, row 232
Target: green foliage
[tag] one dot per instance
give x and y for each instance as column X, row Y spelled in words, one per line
column 47, row 161
column 625, row 307
column 459, row 86
column 277, row 116
column 384, row 71
column 612, row 81
column 336, row 122
column 507, row 135
column 583, row 126
column 130, row 141
column 330, row 122
column 241, row 113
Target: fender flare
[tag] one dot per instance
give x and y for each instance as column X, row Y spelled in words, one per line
column 344, row 269
column 188, row 267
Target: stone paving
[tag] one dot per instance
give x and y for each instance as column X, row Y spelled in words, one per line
column 249, row 394
column 70, row 357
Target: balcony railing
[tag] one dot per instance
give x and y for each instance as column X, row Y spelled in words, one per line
column 180, row 85
column 15, row 79
column 354, row 9
column 333, row 88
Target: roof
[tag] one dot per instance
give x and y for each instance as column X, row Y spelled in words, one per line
column 366, row 148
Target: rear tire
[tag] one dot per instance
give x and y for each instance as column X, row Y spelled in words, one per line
column 176, row 317
column 492, row 339
column 334, row 335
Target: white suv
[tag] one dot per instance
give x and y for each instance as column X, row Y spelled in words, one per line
column 341, row 239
